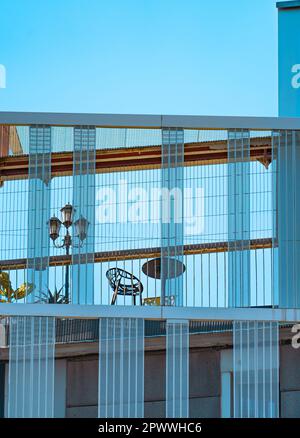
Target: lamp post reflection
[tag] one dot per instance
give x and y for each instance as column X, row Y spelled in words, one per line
column 80, row 229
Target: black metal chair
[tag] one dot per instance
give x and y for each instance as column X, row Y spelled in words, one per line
column 124, row 283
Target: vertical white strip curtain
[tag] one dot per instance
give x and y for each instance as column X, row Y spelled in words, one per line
column 32, row 339
column 287, row 147
column 84, row 159
column 121, row 368
column 177, row 369
column 256, row 369
column 255, row 344
column 31, row 367
column 172, row 270
column 239, row 218
column 172, row 225
column 38, row 210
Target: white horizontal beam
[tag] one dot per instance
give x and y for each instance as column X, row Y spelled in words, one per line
column 151, row 312
column 69, row 119
column 149, row 121
column 80, row 311
column 232, row 314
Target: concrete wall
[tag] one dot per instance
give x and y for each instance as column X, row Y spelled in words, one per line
column 205, row 384
column 60, row 388
column 80, row 393
column 289, row 382
column 82, row 387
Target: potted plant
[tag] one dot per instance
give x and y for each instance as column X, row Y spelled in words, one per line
column 8, row 294
column 56, row 297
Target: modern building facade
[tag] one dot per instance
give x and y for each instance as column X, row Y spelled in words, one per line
column 149, row 265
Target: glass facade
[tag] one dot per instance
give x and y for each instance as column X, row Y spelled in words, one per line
column 135, row 199
column 256, row 369
column 147, row 219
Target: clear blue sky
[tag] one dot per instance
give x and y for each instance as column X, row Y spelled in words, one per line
column 140, row 56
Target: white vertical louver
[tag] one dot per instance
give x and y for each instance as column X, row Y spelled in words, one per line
column 31, row 367
column 38, row 210
column 84, row 204
column 177, row 369
column 121, row 368
column 239, row 218
column 256, row 369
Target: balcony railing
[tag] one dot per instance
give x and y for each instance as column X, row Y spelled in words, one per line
column 228, row 238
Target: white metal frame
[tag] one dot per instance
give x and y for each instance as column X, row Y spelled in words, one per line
column 151, row 312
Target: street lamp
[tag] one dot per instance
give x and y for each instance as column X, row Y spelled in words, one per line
column 80, row 231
